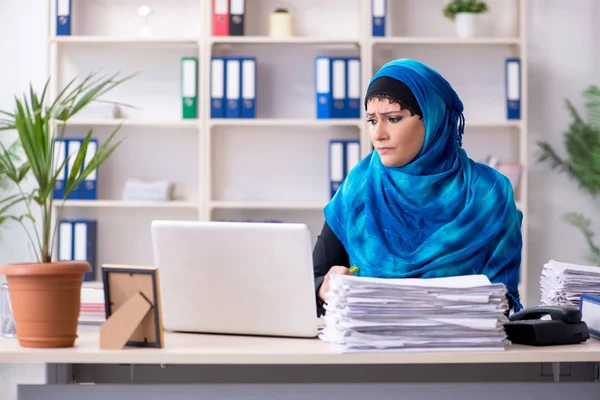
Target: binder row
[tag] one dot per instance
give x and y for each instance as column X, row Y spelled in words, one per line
column 343, row 156
column 338, row 87
column 64, row 148
column 228, row 17
column 233, row 87
column 77, row 241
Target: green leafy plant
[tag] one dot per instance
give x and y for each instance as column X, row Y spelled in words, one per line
column 37, row 125
column 464, row 6
column 582, row 164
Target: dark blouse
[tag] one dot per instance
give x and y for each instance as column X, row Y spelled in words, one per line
column 328, row 252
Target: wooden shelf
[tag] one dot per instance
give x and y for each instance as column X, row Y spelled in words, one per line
column 285, row 122
column 268, row 205
column 125, row 204
column 491, row 41
column 189, row 123
column 100, row 40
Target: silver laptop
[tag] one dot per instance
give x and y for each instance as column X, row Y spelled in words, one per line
column 247, row 278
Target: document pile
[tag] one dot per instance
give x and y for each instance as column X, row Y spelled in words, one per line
column 374, row 314
column 561, row 284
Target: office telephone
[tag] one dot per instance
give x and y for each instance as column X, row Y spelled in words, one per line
column 564, row 327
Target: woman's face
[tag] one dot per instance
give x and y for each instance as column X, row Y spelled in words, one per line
column 396, row 135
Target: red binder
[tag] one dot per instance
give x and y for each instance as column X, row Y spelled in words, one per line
column 220, row 17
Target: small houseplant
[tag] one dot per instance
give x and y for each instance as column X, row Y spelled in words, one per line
column 464, row 14
column 582, row 164
column 45, row 294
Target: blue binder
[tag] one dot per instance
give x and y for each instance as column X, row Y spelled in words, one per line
column 248, row 87
column 84, row 244
column 513, row 88
column 353, row 89
column 378, row 11
column 89, row 188
column 233, row 90
column 58, row 159
column 63, row 17
column 72, row 146
column 338, row 87
column 351, row 155
column 323, row 87
column 217, row 87
column 337, row 161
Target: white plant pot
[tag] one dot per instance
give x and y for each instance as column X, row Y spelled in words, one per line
column 466, row 24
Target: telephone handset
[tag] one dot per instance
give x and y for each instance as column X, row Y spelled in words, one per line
column 564, row 327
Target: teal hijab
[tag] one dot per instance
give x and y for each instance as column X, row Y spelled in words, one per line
column 440, row 215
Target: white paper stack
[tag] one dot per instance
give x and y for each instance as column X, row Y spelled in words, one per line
column 456, row 313
column 561, row 283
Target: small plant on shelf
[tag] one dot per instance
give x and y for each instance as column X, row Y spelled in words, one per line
column 45, row 294
column 464, row 13
column 582, row 164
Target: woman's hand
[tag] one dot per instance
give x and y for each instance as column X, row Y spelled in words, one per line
column 325, row 285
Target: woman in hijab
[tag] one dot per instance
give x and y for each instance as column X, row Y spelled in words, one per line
column 417, row 206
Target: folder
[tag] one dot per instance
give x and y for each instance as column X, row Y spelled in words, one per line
column 513, row 88
column 233, row 76
column 88, row 189
column 189, row 95
column 249, row 87
column 338, row 87
column 65, row 240
column 236, row 17
column 379, row 9
column 84, row 245
column 352, row 155
column 220, row 17
column 323, row 87
column 589, row 305
column 58, row 158
column 63, row 17
column 336, row 165
column 217, row 87
column 353, row 88
column 72, row 146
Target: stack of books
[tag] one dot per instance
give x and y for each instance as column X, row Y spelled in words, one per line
column 562, row 284
column 456, row 313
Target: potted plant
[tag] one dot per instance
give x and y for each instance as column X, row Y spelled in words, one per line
column 582, row 164
column 45, row 294
column 464, row 13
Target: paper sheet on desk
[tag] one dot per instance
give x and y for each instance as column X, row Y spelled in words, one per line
column 451, row 313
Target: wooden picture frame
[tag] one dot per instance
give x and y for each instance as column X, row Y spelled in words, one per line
column 132, row 307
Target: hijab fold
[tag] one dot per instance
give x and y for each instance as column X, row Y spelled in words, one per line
column 440, row 215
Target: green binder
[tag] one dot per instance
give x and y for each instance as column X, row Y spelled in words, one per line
column 189, row 86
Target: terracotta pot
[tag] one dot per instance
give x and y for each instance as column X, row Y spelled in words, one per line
column 46, row 299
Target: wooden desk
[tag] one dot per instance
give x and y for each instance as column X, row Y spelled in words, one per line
column 237, row 366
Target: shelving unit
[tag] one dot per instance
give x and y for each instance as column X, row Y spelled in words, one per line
column 275, row 166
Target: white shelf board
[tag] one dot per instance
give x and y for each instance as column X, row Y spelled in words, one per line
column 446, row 41
column 125, row 204
column 276, row 40
column 183, row 123
column 171, row 41
column 285, row 122
column 268, row 205
column 478, row 123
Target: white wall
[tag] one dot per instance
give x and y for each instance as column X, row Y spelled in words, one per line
column 23, row 49
column 563, row 60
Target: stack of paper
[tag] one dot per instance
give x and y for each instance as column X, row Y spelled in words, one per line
column 456, row 313
column 562, row 283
